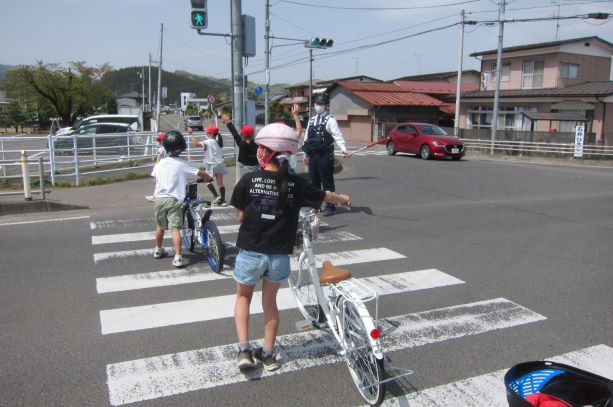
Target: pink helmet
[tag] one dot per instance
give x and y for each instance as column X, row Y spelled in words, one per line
column 212, row 130
column 278, row 137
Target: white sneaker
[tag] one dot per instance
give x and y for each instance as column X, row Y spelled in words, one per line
column 150, row 198
column 159, row 253
column 217, row 201
column 178, row 262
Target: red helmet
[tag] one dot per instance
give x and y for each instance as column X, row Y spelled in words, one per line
column 247, row 130
column 212, row 130
column 159, row 137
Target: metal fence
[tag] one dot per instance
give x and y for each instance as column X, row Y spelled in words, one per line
column 527, row 143
column 71, row 157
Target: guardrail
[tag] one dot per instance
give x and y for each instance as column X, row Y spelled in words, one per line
column 74, row 156
column 557, row 150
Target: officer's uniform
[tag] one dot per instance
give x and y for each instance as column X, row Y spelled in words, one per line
column 321, row 133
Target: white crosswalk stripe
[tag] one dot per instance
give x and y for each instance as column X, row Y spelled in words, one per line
column 166, row 375
column 187, row 371
column 206, row 309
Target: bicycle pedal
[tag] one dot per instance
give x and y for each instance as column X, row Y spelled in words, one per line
column 305, row 326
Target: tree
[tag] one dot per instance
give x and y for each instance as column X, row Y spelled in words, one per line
column 14, row 116
column 71, row 92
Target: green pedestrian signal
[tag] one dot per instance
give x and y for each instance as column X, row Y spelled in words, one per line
column 198, row 16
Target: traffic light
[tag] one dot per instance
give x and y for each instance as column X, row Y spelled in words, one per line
column 316, row 42
column 198, row 16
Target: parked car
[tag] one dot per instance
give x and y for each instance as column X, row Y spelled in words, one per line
column 109, row 138
column 425, row 140
column 195, row 122
column 130, row 119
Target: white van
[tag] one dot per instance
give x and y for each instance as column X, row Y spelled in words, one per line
column 129, row 119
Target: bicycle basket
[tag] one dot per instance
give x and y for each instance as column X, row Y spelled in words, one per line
column 192, row 191
column 570, row 385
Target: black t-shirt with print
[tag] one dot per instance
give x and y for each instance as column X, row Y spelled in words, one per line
column 265, row 227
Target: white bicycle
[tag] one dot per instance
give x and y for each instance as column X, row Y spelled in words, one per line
column 335, row 301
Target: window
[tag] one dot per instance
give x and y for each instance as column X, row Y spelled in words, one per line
column 569, row 71
column 505, row 73
column 532, row 74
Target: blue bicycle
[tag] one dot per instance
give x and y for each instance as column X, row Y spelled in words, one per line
column 198, row 227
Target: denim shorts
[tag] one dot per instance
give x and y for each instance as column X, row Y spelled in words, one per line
column 251, row 267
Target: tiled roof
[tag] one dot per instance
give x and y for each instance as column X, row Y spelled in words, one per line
column 604, row 88
column 443, row 88
column 436, row 76
column 388, row 94
column 540, row 45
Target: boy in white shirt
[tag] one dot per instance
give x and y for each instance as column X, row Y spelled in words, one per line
column 214, row 161
column 171, row 174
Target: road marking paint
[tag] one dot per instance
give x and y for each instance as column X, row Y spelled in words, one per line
column 158, row 279
column 44, row 220
column 149, row 235
column 489, row 390
column 327, row 237
column 166, row 375
column 150, row 222
column 324, row 237
column 206, row 309
column 186, row 276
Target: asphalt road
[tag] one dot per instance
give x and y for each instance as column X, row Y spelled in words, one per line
column 528, row 248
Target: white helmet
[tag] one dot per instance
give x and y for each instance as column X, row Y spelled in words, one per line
column 278, row 137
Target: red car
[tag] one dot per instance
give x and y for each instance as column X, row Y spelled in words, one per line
column 425, row 140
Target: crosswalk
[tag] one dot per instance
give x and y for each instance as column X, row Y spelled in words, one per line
column 193, row 370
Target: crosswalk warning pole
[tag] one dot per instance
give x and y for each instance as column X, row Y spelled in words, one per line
column 27, row 188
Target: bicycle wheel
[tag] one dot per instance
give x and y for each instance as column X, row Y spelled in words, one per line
column 366, row 370
column 304, row 291
column 188, row 230
column 215, row 248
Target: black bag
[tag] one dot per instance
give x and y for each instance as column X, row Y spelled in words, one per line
column 569, row 384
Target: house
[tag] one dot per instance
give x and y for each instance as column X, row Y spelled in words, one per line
column 299, row 93
column 550, row 87
column 129, row 103
column 365, row 111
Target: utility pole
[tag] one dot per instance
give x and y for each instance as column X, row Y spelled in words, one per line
column 142, row 76
column 267, row 62
column 237, row 63
column 149, row 98
column 498, row 72
column 310, row 80
column 456, row 121
column 159, row 95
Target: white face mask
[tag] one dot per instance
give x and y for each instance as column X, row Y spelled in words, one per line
column 319, row 108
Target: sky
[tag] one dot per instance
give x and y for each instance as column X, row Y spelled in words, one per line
column 383, row 39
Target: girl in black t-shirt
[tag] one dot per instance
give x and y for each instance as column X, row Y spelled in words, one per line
column 268, row 202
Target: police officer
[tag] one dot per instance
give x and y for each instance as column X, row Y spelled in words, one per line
column 321, row 133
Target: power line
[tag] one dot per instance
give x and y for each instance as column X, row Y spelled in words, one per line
column 378, row 8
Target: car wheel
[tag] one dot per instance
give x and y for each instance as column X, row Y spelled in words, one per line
column 391, row 150
column 425, row 152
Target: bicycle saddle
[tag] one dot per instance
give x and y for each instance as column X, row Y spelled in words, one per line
column 332, row 274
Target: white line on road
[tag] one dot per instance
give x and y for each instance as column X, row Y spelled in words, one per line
column 195, row 274
column 206, row 309
column 166, row 375
column 489, row 390
column 44, row 220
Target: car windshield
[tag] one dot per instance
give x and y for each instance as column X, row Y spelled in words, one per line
column 193, row 118
column 432, row 130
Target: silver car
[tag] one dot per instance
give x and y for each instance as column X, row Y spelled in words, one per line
column 195, row 122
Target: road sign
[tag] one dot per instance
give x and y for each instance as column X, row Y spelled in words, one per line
column 258, row 90
column 211, row 99
column 579, row 137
